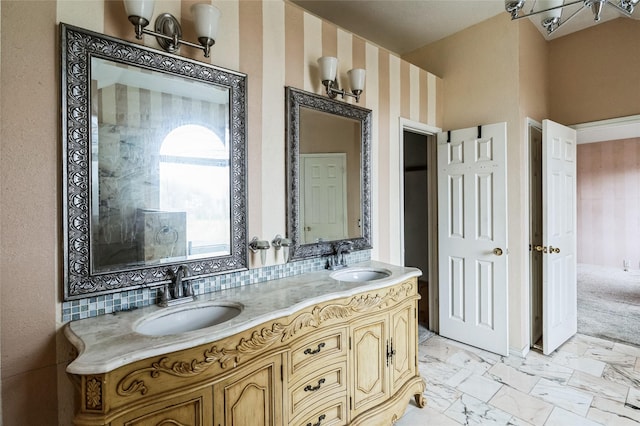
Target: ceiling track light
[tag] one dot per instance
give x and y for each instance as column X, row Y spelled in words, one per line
column 168, row 32
column 551, row 10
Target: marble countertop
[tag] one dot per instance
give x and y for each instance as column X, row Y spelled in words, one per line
column 109, row 341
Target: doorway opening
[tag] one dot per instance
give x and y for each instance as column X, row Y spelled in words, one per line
column 418, row 190
column 535, row 234
column 608, row 251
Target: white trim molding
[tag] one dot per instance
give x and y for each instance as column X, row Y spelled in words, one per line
column 608, row 130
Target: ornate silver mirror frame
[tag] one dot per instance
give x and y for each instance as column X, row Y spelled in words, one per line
column 78, row 48
column 295, row 100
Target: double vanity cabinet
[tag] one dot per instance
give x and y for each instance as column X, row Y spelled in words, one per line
column 308, row 350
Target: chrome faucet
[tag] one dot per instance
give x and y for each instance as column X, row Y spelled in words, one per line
column 179, row 290
column 337, row 259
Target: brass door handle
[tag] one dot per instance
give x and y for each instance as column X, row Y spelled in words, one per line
column 554, row 249
column 540, row 248
column 497, row 251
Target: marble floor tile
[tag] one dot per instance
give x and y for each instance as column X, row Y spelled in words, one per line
column 536, row 364
column 626, row 376
column 479, row 387
column 563, row 396
column 440, row 348
column 633, row 399
column 560, row 417
column 470, row 411
column 599, row 386
column 507, row 375
column 580, row 343
column 440, row 396
column 627, row 349
column 610, row 412
column 469, row 361
column 435, row 370
column 611, row 357
column 577, row 362
column 426, row 416
column 523, row 406
column 470, row 386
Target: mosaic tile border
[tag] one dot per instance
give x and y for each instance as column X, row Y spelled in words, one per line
column 110, row 303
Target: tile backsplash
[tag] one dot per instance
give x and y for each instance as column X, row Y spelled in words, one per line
column 131, row 299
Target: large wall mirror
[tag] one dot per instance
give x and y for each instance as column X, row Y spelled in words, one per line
column 328, row 174
column 154, row 165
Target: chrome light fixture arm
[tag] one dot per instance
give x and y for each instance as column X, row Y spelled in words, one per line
column 334, row 90
column 515, row 9
column 168, row 33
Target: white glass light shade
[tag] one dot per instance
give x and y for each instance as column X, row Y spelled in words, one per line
column 547, row 4
column 141, row 8
column 206, row 18
column 356, row 78
column 328, row 68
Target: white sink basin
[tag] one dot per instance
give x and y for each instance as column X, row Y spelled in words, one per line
column 360, row 274
column 187, row 318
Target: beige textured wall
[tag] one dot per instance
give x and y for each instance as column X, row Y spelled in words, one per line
column 480, row 68
column 608, row 183
column 275, row 43
column 29, row 223
column 594, row 73
column 505, row 71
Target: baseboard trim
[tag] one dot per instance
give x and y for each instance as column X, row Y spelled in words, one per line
column 520, row 353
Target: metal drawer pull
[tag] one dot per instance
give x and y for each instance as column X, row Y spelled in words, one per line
column 308, row 351
column 320, row 419
column 310, row 388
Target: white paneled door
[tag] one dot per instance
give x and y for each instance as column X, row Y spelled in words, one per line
column 472, row 236
column 324, row 196
column 559, row 285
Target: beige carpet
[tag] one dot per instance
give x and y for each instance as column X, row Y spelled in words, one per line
column 609, row 303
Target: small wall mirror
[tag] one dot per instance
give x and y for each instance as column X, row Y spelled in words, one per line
column 328, row 173
column 154, row 154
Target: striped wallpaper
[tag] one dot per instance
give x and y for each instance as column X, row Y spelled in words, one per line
column 276, row 44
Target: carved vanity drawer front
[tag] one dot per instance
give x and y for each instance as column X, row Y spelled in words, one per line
column 310, row 391
column 323, row 347
column 333, row 413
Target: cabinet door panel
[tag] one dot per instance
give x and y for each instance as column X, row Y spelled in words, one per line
column 250, row 398
column 369, row 363
column 192, row 409
column 404, row 346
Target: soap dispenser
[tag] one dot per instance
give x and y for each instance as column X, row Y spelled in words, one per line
column 256, row 245
column 284, row 243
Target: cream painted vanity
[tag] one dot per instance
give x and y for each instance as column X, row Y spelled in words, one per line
column 307, row 350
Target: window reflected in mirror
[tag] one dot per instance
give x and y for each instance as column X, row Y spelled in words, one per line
column 161, row 163
column 154, row 154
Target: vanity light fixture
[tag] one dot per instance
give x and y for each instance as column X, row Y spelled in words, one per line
column 328, row 75
column 167, row 28
column 551, row 10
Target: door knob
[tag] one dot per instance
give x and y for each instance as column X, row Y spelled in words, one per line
column 497, row 251
column 554, row 249
column 540, row 248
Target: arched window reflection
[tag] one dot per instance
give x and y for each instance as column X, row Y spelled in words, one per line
column 194, row 178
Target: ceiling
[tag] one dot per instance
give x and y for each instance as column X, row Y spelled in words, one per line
column 402, row 26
